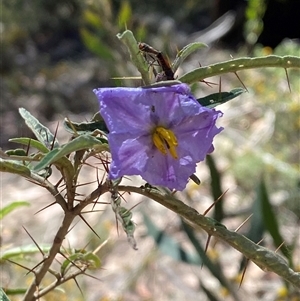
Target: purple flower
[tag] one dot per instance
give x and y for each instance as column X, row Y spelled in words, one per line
column 159, row 133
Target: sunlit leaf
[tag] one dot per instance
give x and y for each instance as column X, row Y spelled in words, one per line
column 3, row 296
column 41, row 132
column 214, row 268
column 216, row 188
column 94, row 43
column 9, row 208
column 88, row 259
column 270, row 219
column 14, row 167
column 185, row 52
column 216, row 99
column 79, row 143
column 85, row 127
column 31, row 142
column 125, row 14
column 92, row 18
column 22, row 251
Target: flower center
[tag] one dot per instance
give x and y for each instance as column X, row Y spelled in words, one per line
column 165, row 140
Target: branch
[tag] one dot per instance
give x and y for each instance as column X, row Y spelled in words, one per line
column 239, row 64
column 264, row 258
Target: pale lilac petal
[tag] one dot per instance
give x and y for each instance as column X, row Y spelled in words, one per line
column 121, row 109
column 131, row 114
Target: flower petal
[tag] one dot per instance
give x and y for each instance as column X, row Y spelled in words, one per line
column 131, row 114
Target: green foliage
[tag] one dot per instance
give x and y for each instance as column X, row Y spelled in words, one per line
column 88, row 141
column 11, row 207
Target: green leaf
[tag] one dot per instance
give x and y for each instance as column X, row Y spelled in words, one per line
column 137, row 58
column 31, row 142
column 41, row 132
column 85, row 127
column 239, row 64
column 215, row 99
column 168, row 245
column 185, row 52
column 216, row 188
column 14, row 167
column 125, row 14
column 89, row 258
column 214, row 268
column 22, row 251
column 94, row 43
column 3, row 296
column 9, row 208
column 270, row 220
column 79, row 143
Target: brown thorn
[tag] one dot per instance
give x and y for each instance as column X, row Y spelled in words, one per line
column 32, row 269
column 134, row 206
column 215, row 202
column 243, row 223
column 279, row 247
column 45, row 207
column 288, row 80
column 206, row 247
column 20, row 265
column 73, row 227
column 89, row 226
column 91, row 211
column 58, row 183
column 41, row 251
column 204, row 81
column 54, row 137
column 88, row 183
column 241, row 81
column 84, row 273
column 78, row 286
column 28, row 147
column 71, row 261
column 246, row 264
column 244, row 272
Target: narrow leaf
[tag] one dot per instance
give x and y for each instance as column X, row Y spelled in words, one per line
column 25, row 250
column 214, row 268
column 79, row 143
column 137, row 58
column 168, row 245
column 270, row 220
column 239, row 64
column 125, row 14
column 9, row 208
column 85, row 127
column 94, row 44
column 3, row 296
column 32, row 142
column 185, row 52
column 14, row 167
column 41, row 132
column 216, row 188
column 216, row 99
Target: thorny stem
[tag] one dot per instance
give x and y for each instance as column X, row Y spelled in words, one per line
column 69, row 216
column 264, row 258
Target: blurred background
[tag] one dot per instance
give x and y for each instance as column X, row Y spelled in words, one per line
column 54, row 53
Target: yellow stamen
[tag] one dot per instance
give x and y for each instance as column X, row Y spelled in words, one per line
column 165, row 140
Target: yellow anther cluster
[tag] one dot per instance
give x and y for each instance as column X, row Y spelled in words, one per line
column 165, row 140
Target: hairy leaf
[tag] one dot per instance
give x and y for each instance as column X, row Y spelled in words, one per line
column 185, row 52
column 216, row 99
column 79, row 143
column 41, row 132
